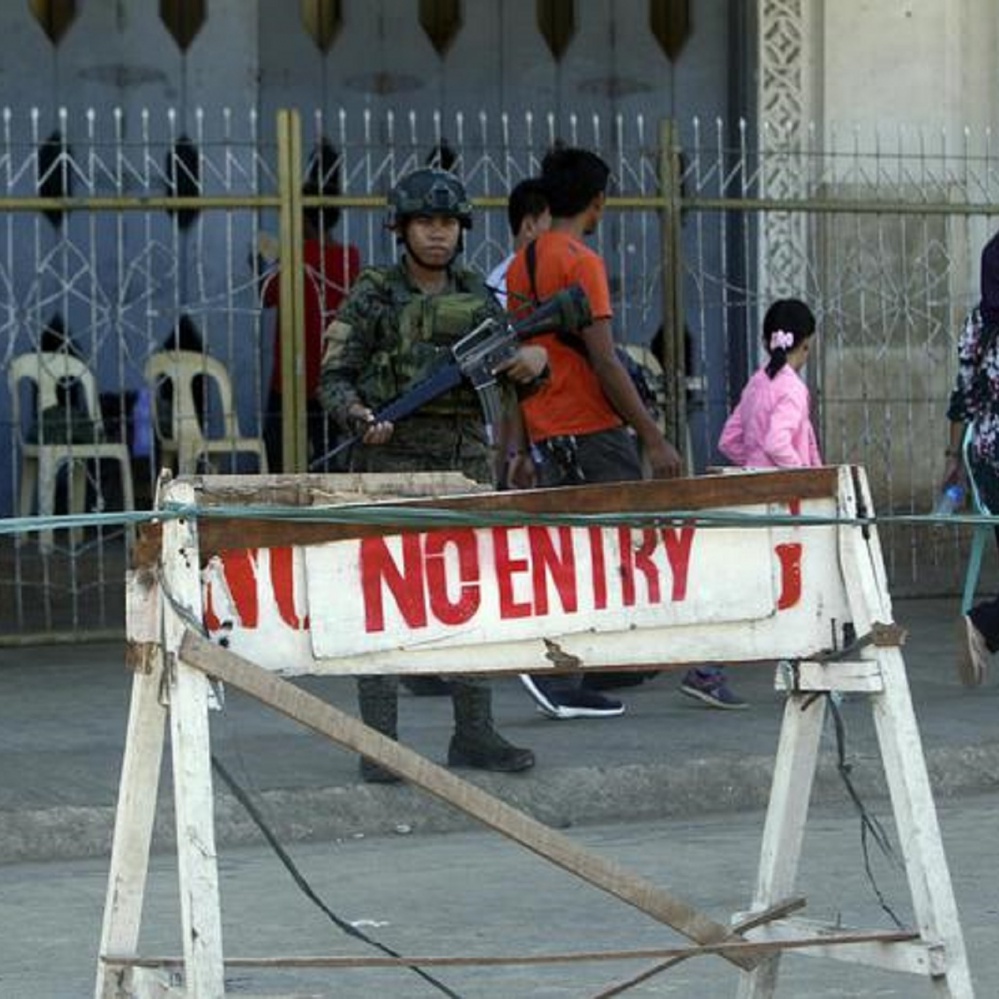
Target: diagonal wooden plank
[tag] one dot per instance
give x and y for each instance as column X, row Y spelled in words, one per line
column 350, row 733
column 756, row 919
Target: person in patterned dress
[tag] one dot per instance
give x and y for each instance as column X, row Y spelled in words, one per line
column 974, row 413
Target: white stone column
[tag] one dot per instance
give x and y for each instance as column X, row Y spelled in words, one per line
column 787, row 57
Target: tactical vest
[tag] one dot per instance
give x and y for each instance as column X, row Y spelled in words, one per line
column 415, row 334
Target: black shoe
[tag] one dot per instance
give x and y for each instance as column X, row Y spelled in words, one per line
column 623, row 678
column 488, row 752
column 426, row 686
column 372, row 773
column 581, row 703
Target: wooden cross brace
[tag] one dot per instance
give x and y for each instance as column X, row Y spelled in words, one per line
column 347, row 731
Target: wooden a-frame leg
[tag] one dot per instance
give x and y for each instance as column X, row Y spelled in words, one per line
column 918, row 829
column 133, row 829
column 200, row 905
column 904, row 764
column 784, row 829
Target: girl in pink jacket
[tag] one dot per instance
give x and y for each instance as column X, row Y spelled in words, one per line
column 771, row 427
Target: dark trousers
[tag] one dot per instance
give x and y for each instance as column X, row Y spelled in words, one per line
column 606, row 456
column 985, row 617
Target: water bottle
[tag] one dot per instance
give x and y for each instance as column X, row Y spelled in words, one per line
column 951, row 500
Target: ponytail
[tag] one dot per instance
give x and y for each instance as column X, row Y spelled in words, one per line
column 787, row 322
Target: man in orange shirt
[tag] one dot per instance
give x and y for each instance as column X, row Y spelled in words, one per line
column 578, row 422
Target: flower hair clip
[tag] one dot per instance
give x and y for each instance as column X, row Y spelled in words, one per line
column 781, row 339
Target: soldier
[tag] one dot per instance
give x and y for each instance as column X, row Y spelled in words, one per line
column 389, row 331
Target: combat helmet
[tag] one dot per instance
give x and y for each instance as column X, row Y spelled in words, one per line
column 429, row 191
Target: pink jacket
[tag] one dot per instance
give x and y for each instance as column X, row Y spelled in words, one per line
column 771, row 428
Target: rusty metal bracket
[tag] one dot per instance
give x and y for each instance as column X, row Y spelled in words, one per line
column 881, row 635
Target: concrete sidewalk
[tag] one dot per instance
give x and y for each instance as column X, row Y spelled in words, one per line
column 63, row 711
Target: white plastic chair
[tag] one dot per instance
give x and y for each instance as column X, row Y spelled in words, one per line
column 186, row 448
column 42, row 459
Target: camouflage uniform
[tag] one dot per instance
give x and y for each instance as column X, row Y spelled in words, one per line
column 387, row 335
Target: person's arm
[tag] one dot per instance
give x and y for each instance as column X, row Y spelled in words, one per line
column 515, row 468
column 954, row 470
column 348, row 345
column 732, row 442
column 617, row 385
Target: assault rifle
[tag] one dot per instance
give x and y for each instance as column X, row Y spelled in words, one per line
column 475, row 358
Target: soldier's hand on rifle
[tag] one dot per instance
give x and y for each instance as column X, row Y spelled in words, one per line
column 527, row 365
column 370, row 432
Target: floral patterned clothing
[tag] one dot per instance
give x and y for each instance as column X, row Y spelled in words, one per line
column 975, row 401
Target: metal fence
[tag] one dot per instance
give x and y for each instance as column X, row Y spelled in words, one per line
column 117, row 236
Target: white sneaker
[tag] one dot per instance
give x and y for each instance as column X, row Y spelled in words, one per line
column 973, row 653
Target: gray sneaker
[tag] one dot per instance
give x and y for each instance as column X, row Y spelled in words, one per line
column 973, row 654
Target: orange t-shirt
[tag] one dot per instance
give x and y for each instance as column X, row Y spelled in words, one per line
column 571, row 401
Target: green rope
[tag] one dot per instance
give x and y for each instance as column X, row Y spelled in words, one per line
column 424, row 517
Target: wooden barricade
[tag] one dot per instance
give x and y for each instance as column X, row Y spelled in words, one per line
column 645, row 573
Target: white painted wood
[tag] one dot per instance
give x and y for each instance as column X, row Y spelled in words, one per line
column 346, row 731
column 506, row 574
column 308, row 610
column 846, row 677
column 908, row 782
column 916, row 957
column 784, row 829
column 918, row 829
column 191, row 753
column 134, row 817
column 149, row 983
column 142, row 607
column 143, row 620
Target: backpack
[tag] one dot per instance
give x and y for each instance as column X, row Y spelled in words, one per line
column 644, row 379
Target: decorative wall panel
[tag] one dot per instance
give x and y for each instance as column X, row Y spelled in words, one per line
column 441, row 20
column 55, row 16
column 322, row 20
column 786, row 110
column 184, row 19
column 669, row 22
column 557, row 24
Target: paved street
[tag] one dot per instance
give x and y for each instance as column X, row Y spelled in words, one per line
column 404, row 891
column 63, row 711
column 672, row 789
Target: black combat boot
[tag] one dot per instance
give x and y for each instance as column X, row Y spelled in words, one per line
column 475, row 742
column 379, row 702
